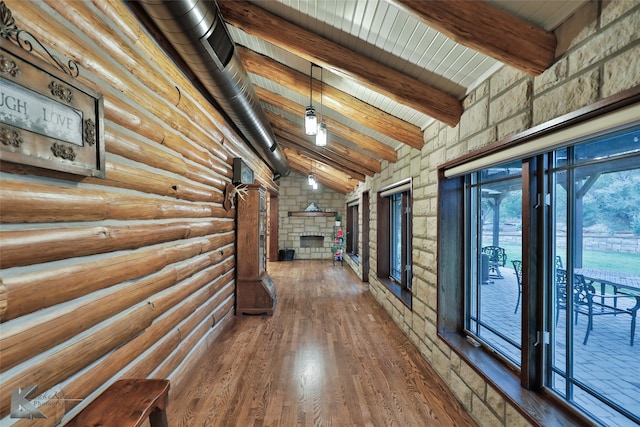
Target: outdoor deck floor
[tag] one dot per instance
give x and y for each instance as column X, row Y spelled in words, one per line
column 607, row 360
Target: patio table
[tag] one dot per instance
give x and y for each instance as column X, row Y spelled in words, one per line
column 616, row 279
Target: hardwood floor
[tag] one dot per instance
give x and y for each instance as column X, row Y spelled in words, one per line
column 329, row 356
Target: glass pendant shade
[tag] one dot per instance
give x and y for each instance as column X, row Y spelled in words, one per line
column 321, row 136
column 310, row 121
column 312, row 179
column 315, row 185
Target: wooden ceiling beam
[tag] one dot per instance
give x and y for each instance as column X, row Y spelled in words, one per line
column 489, row 30
column 334, row 99
column 324, row 174
column 293, row 142
column 338, row 59
column 359, row 160
column 372, row 146
column 288, row 146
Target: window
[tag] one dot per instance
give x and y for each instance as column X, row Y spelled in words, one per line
column 394, row 240
column 352, row 230
column 494, row 197
column 550, row 277
column 594, row 214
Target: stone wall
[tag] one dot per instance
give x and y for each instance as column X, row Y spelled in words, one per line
column 295, row 195
column 598, row 55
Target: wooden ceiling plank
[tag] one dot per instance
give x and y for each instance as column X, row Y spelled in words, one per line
column 334, row 99
column 340, row 60
column 372, row 146
column 489, row 30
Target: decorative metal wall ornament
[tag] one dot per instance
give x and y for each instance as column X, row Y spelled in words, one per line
column 63, row 151
column 10, row 31
column 8, row 66
column 89, row 132
column 60, row 91
column 10, row 137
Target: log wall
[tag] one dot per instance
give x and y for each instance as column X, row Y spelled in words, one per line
column 128, row 276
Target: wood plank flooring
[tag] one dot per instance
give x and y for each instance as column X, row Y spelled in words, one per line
column 329, row 356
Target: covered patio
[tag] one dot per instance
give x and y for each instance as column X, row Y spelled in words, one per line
column 607, row 361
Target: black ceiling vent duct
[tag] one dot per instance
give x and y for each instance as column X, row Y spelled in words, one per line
column 198, row 33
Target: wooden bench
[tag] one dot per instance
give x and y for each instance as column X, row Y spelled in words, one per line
column 127, row 403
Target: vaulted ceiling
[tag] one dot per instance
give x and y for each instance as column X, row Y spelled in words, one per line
column 388, row 69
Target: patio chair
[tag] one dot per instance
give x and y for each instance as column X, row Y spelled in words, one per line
column 517, row 268
column 497, row 259
column 587, row 301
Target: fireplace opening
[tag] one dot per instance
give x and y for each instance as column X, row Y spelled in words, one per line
column 311, row 241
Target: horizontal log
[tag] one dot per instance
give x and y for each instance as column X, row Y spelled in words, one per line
column 169, row 324
column 207, row 307
column 201, row 323
column 222, row 313
column 159, row 331
column 130, row 147
column 140, row 122
column 27, row 247
column 29, row 202
column 212, row 278
column 25, row 338
column 193, row 265
column 64, row 362
column 183, row 378
column 34, row 291
column 35, row 335
column 132, row 178
column 138, row 179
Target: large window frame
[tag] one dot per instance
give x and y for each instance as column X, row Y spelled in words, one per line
column 394, row 233
column 523, row 387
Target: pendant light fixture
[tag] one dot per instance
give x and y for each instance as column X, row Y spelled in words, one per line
column 310, row 117
column 321, row 135
column 311, row 177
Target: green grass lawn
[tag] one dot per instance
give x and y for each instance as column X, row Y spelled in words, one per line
column 599, row 260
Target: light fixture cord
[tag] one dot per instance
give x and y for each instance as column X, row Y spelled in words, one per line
column 311, row 86
column 321, row 105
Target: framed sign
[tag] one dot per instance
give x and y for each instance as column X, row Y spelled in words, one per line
column 47, row 118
